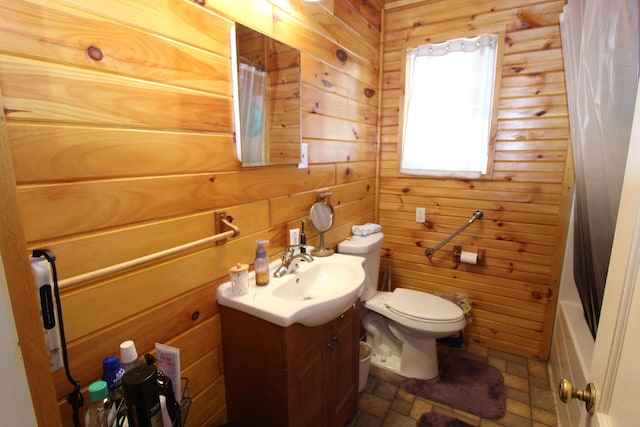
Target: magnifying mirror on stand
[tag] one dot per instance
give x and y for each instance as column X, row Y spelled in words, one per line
column 321, row 215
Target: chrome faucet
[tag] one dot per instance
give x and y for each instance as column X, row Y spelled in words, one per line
column 290, row 261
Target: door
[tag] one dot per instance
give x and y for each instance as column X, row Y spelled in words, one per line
column 614, row 369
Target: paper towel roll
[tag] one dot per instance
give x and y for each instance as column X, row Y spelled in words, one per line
column 469, row 257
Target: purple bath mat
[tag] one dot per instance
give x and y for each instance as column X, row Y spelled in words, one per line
column 465, row 384
column 435, row 419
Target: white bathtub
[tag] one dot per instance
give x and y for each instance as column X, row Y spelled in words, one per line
column 570, row 358
column 572, row 343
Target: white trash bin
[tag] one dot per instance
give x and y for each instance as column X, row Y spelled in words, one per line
column 365, row 364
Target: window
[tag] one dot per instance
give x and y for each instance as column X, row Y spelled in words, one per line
column 449, row 106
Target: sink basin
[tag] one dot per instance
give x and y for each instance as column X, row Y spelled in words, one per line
column 317, row 282
column 315, row 294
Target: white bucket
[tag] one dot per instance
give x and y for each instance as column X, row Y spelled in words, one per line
column 365, row 364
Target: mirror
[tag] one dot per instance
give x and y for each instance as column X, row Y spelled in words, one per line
column 321, row 219
column 266, row 99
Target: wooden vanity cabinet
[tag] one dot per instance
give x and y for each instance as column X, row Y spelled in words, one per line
column 294, row 376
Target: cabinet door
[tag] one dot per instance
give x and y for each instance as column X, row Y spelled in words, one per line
column 253, row 370
column 344, row 367
column 309, row 384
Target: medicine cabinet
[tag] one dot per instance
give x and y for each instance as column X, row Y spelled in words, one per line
column 267, row 99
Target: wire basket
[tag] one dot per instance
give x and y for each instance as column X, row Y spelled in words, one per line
column 185, row 402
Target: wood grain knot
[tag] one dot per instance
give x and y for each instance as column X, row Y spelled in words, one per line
column 341, row 55
column 195, row 315
column 369, row 93
column 94, row 53
column 212, row 178
column 200, row 2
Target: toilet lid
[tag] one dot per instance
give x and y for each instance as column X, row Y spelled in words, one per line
column 423, row 306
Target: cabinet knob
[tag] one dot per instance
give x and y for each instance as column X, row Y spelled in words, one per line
column 335, row 339
column 332, row 345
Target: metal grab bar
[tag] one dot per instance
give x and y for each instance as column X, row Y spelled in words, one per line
column 476, row 215
column 116, row 268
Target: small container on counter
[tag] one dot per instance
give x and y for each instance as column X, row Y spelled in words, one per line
column 239, row 275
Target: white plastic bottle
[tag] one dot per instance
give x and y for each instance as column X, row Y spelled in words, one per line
column 129, row 355
column 97, row 411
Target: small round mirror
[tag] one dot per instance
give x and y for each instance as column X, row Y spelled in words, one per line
column 321, row 219
column 321, row 216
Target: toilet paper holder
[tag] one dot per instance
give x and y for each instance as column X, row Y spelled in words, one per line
column 459, row 258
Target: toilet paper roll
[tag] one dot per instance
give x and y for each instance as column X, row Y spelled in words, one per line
column 469, row 257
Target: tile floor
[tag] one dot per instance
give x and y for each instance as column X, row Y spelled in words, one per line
column 383, row 402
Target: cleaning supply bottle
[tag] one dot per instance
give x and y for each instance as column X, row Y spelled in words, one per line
column 303, row 240
column 261, row 264
column 129, row 355
column 112, row 372
column 97, row 413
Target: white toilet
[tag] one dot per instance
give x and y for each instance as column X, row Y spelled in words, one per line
column 402, row 326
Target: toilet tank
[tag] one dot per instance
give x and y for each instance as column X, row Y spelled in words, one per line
column 369, row 248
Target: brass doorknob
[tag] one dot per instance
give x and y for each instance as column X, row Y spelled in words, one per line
column 567, row 392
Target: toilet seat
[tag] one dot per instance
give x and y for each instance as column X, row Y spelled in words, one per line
column 423, row 307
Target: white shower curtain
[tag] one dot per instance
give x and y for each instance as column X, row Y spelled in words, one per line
column 253, row 91
column 600, row 46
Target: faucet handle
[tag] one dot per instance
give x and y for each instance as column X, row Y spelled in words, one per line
column 287, row 254
column 291, row 250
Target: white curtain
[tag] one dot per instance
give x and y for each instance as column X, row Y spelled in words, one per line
column 253, row 91
column 447, row 113
column 600, row 47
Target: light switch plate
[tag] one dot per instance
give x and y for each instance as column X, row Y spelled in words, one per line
column 304, row 156
column 420, row 214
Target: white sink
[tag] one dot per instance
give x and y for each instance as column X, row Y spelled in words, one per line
column 316, row 293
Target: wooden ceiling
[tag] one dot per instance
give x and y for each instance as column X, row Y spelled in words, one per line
column 391, row 4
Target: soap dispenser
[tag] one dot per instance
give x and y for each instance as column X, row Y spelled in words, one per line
column 261, row 264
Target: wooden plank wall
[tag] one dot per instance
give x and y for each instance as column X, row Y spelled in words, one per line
column 525, row 202
column 120, row 126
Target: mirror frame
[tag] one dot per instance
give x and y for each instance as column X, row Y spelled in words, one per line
column 287, row 106
column 328, row 215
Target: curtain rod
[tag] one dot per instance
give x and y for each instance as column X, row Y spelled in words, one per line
column 253, row 63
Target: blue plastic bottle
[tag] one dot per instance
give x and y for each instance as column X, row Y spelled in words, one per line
column 112, row 372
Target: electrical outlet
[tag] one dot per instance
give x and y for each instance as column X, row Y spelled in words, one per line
column 420, row 215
